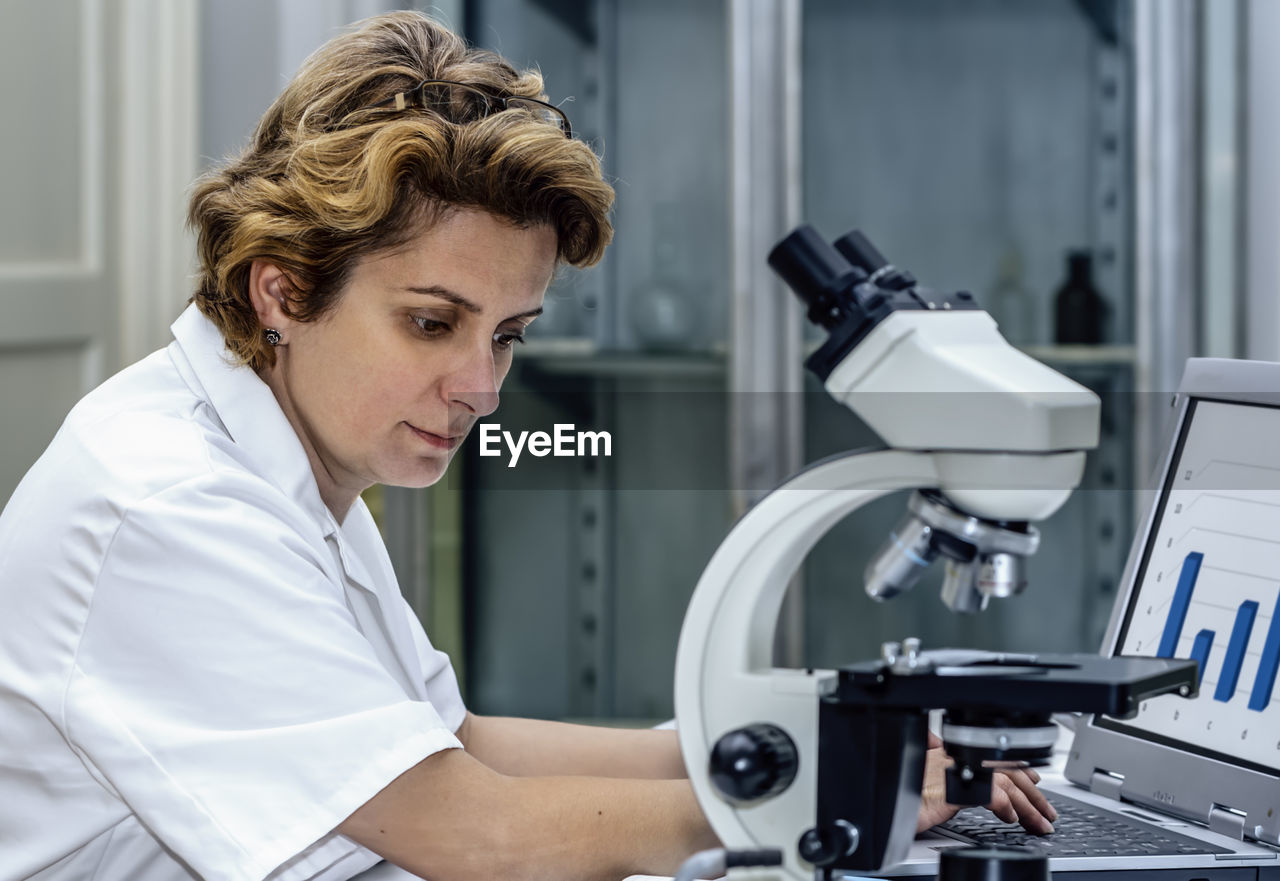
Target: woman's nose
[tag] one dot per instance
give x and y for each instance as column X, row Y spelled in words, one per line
column 474, row 383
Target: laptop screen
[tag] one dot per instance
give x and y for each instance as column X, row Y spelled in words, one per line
column 1208, row 587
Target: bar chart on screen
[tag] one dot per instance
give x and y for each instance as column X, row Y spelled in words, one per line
column 1210, row 590
column 1236, row 645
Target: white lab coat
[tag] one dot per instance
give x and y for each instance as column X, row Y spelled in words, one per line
column 201, row 672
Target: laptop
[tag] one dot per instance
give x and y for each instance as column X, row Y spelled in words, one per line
column 1191, row 786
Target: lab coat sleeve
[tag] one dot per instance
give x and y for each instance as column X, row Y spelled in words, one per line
column 224, row 692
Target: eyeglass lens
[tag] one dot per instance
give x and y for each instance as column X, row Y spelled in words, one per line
column 538, row 109
column 455, row 101
column 461, row 102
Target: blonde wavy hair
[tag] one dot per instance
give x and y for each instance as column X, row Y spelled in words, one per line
column 328, row 178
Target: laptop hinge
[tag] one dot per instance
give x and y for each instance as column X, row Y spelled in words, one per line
column 1106, row 783
column 1227, row 821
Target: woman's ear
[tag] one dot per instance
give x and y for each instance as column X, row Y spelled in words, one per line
column 269, row 291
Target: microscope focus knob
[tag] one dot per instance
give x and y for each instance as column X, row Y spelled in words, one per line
column 826, row 846
column 753, row 763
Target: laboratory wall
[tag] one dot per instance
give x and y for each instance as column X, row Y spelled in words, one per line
column 985, row 145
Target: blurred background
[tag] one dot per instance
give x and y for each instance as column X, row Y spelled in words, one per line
column 1104, row 175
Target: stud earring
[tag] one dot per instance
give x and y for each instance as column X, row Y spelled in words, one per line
column 273, row 336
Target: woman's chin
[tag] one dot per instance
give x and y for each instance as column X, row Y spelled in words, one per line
column 431, row 473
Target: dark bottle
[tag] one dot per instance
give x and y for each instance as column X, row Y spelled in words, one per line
column 1078, row 307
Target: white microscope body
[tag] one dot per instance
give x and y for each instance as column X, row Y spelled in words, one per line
column 1001, row 438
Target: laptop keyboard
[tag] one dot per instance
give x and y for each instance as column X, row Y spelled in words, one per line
column 1081, row 830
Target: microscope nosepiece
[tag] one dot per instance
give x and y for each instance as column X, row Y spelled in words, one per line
column 984, row 559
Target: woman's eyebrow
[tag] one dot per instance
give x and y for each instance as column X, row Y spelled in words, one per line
column 459, row 300
column 446, row 294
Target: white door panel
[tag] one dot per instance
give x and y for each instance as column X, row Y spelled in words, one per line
column 57, row 293
column 51, row 87
column 61, row 371
column 98, row 98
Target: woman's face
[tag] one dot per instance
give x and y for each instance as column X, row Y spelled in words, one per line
column 384, row 387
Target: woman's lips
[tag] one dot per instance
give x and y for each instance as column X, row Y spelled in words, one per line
column 439, row 441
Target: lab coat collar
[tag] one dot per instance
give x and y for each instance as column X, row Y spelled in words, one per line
column 361, row 543
column 249, row 411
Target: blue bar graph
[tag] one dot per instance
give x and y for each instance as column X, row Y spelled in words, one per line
column 1181, row 602
column 1265, row 681
column 1235, row 651
column 1200, row 652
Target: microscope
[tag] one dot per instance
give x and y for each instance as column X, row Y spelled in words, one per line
column 822, row 769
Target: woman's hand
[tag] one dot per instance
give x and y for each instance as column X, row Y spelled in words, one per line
column 1014, row 796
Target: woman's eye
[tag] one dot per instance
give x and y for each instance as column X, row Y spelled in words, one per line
column 506, row 340
column 430, row 326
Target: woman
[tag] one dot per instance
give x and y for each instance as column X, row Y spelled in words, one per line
column 206, row 667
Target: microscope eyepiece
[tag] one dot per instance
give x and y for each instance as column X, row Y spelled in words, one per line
column 849, row 288
column 858, row 250
column 817, row 273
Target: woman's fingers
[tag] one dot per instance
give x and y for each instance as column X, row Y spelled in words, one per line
column 1026, row 779
column 1015, row 799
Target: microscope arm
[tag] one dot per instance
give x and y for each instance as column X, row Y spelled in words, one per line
column 725, row 678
